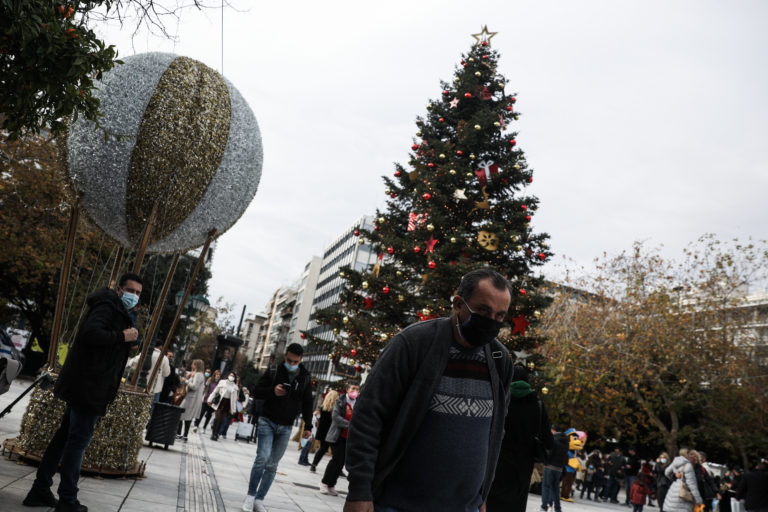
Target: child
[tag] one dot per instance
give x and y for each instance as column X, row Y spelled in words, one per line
column 589, row 482
column 638, row 492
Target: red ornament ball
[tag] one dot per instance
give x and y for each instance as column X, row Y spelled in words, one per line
column 358, row 368
column 459, row 152
column 512, row 142
column 391, row 250
column 303, row 336
column 542, row 256
column 528, row 218
column 467, row 94
column 353, row 352
column 375, row 228
column 430, row 165
column 484, row 43
column 427, row 196
column 385, row 289
column 524, row 207
column 485, row 56
column 522, row 291
column 442, row 119
column 512, row 99
column 357, row 233
column 392, row 195
column 398, row 173
column 432, row 264
column 446, row 92
column 530, row 180
column 417, row 249
column 509, row 108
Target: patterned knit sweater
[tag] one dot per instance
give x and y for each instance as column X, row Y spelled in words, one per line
column 443, row 468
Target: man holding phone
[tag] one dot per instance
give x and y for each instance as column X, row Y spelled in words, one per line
column 286, row 391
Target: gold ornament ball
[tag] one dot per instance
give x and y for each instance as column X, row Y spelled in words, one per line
column 365, row 285
column 456, row 79
column 472, row 156
column 345, row 319
column 381, row 220
column 452, row 172
column 430, row 227
column 384, row 337
column 429, row 106
column 418, row 133
column 387, row 191
column 330, row 356
column 335, row 331
column 400, row 298
column 442, row 155
column 497, row 124
column 501, row 84
column 453, row 239
column 477, row 73
column 537, row 313
column 477, row 127
column 341, row 274
column 544, row 390
column 351, row 361
column 399, row 273
column 519, row 248
column 361, row 241
column 516, row 117
column 425, row 311
column 515, row 238
column 544, row 245
column 469, row 174
column 471, row 59
column 531, row 365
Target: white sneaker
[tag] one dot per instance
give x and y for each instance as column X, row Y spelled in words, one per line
column 259, row 506
column 248, row 504
column 323, row 488
column 332, row 491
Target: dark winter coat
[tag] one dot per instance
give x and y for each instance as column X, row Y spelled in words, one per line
column 614, row 466
column 524, row 422
column 284, row 409
column 706, row 483
column 396, row 396
column 662, row 483
column 323, row 424
column 558, row 456
column 754, row 490
column 170, row 384
column 91, row 374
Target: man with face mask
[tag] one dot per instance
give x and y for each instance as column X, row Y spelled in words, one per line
column 286, row 391
column 428, row 425
column 88, row 383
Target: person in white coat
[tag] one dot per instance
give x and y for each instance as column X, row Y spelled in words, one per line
column 165, row 370
column 224, row 401
column 193, row 400
column 681, row 470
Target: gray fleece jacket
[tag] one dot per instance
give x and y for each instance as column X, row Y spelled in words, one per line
column 396, row 396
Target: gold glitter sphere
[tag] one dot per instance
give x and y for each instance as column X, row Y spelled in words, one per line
column 497, row 124
column 501, row 84
column 361, row 241
column 442, row 155
column 537, row 313
column 477, row 73
column 470, row 174
column 425, row 311
column 515, row 238
column 477, row 127
column 430, row 227
column 544, row 390
column 384, row 337
column 519, row 248
column 365, row 285
column 335, row 331
column 345, row 320
column 399, row 273
column 381, row 220
column 531, row 365
column 387, row 191
column 471, row 59
column 517, row 167
column 453, row 239
column 341, row 274
column 472, row 156
column 400, row 298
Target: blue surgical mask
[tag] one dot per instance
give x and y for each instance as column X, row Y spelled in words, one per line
column 290, row 368
column 129, row 300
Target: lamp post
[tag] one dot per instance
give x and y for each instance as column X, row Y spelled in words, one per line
column 195, row 304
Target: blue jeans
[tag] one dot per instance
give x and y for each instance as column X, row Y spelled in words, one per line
column 550, row 489
column 304, row 456
column 68, row 446
column 628, row 481
column 272, row 442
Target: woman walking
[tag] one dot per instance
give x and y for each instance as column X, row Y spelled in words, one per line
column 682, row 469
column 337, row 436
column 206, row 410
column 192, row 402
column 223, row 400
column 323, row 425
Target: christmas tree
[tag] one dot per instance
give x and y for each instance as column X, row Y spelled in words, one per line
column 458, row 206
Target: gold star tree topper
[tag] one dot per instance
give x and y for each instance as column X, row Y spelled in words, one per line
column 484, row 36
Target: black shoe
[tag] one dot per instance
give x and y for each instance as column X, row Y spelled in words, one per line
column 38, row 497
column 312, row 468
column 71, row 507
column 304, row 463
column 184, row 439
column 214, row 438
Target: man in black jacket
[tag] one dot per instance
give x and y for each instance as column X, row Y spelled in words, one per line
column 88, row 383
column 429, row 421
column 171, row 382
column 753, row 489
column 286, row 391
column 553, row 471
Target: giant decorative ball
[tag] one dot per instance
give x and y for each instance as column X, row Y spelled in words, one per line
column 181, row 137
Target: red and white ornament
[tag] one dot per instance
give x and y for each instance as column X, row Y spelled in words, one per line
column 487, row 170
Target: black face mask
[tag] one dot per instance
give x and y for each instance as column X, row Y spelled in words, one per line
column 478, row 330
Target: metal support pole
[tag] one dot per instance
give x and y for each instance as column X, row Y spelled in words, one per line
column 156, row 313
column 183, row 303
column 66, row 268
column 116, row 267
column 144, row 241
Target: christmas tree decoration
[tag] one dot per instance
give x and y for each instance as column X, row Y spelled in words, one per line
column 484, row 36
column 345, row 319
column 353, row 352
column 487, row 240
column 545, row 390
column 356, row 232
column 390, row 250
column 364, row 285
column 520, row 324
column 385, row 290
column 465, row 187
column 542, row 256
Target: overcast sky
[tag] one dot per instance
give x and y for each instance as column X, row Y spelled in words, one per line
column 643, row 120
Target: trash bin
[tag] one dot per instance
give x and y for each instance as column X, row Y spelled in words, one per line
column 163, row 424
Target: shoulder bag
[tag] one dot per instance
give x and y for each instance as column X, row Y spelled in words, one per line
column 685, row 491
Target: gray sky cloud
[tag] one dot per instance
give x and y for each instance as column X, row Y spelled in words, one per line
column 642, row 120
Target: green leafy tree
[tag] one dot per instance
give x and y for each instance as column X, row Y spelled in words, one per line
column 459, row 205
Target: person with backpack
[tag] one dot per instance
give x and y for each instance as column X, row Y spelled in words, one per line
column 286, row 391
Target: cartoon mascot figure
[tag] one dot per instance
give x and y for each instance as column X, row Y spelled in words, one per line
column 576, row 441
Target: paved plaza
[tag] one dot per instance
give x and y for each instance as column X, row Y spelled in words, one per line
column 200, row 475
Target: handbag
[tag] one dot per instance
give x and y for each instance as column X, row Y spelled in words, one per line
column 685, row 492
column 216, row 399
column 181, row 393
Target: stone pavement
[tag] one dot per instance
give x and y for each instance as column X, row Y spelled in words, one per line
column 200, row 475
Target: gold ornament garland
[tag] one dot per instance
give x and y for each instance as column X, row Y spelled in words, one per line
column 117, row 437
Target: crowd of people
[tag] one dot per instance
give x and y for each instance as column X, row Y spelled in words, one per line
column 444, row 422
